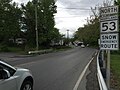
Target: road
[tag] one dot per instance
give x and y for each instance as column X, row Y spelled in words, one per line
column 58, row 70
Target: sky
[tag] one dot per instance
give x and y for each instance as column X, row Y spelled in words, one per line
column 72, row 14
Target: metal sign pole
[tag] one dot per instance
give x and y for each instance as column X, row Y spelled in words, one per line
column 108, row 70
column 103, row 55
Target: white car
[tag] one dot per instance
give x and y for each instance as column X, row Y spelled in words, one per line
column 12, row 78
column 83, row 46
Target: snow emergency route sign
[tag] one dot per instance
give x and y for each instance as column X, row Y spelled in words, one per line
column 109, row 30
column 109, row 41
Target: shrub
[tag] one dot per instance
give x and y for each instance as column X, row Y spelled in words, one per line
column 4, row 48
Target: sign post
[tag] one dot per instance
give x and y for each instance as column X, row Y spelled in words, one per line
column 109, row 37
column 108, row 70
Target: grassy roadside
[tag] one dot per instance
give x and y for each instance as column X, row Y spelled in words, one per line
column 25, row 51
column 115, row 69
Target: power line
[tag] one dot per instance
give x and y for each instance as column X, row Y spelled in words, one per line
column 68, row 17
column 75, row 8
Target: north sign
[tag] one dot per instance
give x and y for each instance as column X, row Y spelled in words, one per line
column 109, row 10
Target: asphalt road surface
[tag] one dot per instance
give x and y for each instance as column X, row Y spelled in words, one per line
column 58, row 70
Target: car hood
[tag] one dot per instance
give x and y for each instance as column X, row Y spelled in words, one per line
column 22, row 69
column 22, row 72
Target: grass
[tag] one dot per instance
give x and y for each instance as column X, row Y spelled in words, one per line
column 13, row 49
column 115, row 67
column 20, row 50
column 17, row 50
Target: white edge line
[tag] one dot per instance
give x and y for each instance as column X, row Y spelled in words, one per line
column 96, row 53
column 26, row 64
column 81, row 76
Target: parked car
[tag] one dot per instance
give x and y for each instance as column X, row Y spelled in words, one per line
column 83, row 46
column 12, row 78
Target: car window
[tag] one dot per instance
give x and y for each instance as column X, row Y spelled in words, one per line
column 11, row 71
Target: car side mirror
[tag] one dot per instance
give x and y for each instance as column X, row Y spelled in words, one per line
column 4, row 74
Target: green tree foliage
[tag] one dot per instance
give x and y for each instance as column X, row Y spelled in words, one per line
column 28, row 22
column 9, row 20
column 45, row 16
column 117, row 2
column 14, row 20
column 89, row 33
column 55, row 35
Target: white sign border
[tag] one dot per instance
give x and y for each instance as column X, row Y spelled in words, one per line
column 109, row 31
column 110, row 48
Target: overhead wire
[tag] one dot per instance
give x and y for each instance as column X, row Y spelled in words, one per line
column 69, row 16
column 74, row 8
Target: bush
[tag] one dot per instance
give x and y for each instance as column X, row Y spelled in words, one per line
column 61, row 47
column 4, row 48
column 115, row 52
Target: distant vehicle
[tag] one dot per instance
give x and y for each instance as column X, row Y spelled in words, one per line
column 83, row 46
column 77, row 43
column 80, row 43
column 20, row 41
column 87, row 45
column 12, row 78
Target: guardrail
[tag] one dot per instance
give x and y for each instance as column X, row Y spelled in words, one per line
column 40, row 51
column 101, row 80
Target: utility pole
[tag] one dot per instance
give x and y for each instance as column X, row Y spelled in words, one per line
column 68, row 37
column 36, row 29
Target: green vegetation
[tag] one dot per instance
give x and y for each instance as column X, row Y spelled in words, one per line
column 115, row 66
column 89, row 34
column 19, row 22
column 115, row 57
column 61, row 48
column 5, row 48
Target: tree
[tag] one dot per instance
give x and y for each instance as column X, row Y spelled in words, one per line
column 117, row 2
column 89, row 33
column 45, row 16
column 10, row 16
column 28, row 22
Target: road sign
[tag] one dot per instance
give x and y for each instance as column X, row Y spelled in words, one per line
column 107, row 18
column 109, row 34
column 109, row 26
column 109, row 10
column 109, row 41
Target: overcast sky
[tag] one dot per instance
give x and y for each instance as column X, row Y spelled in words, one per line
column 72, row 14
